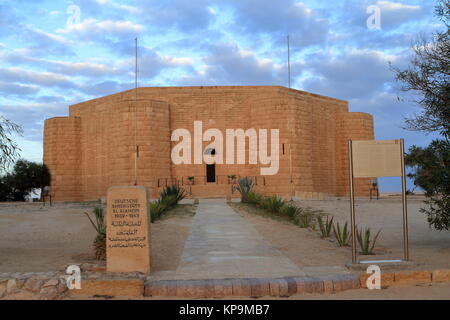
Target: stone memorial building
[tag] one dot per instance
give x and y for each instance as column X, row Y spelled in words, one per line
column 125, row 139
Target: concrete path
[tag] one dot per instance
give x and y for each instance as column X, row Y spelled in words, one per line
column 222, row 245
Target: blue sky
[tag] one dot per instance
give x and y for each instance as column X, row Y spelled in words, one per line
column 50, row 58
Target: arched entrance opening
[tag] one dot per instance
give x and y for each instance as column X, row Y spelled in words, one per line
column 210, row 168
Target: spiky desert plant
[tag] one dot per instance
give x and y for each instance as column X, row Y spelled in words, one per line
column 325, row 226
column 244, row 186
column 304, row 219
column 99, row 225
column 273, row 203
column 289, row 210
column 175, row 191
column 156, row 209
column 254, row 198
column 365, row 242
column 342, row 235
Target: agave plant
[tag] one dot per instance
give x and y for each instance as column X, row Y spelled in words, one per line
column 99, row 225
column 365, row 242
column 156, row 209
column 175, row 191
column 244, row 186
column 304, row 219
column 342, row 235
column 289, row 210
column 325, row 226
column 273, row 203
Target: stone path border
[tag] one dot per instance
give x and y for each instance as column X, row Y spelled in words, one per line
column 409, row 277
column 250, row 288
column 52, row 285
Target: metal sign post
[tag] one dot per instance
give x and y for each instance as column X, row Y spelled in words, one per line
column 377, row 158
column 352, row 201
column 404, row 204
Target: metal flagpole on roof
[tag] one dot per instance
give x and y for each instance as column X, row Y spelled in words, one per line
column 289, row 61
column 135, row 112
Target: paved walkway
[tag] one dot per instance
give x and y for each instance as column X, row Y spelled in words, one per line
column 222, row 244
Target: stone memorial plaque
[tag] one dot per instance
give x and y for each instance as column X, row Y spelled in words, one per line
column 128, row 230
column 376, row 158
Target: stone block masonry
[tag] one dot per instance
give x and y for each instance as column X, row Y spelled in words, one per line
column 94, row 147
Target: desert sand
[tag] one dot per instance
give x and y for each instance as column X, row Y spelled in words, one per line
column 34, row 238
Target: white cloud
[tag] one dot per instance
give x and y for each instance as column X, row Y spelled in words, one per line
column 393, row 6
column 93, row 26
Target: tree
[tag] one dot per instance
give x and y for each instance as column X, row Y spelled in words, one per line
column 8, row 148
column 428, row 76
column 25, row 177
column 431, row 172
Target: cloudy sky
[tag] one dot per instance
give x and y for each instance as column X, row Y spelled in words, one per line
column 56, row 53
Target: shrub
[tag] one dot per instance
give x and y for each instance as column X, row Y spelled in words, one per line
column 289, row 210
column 304, row 219
column 273, row 204
column 365, row 243
column 173, row 191
column 156, row 209
column 100, row 226
column 342, row 235
column 431, row 172
column 325, row 227
column 244, row 186
column 254, row 198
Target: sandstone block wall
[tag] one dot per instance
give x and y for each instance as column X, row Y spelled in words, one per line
column 62, row 152
column 95, row 147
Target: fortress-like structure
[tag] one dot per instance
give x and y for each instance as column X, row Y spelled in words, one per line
column 96, row 146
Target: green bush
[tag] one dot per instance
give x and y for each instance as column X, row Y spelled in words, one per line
column 156, row 209
column 254, row 198
column 325, row 227
column 169, row 198
column 273, row 204
column 289, row 210
column 304, row 219
column 365, row 242
column 342, row 235
column 176, row 192
column 431, row 172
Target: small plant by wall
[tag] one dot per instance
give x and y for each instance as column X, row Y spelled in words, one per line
column 99, row 225
column 169, row 197
column 366, row 243
column 244, row 186
column 305, row 219
column 272, row 203
column 325, row 227
column 342, row 235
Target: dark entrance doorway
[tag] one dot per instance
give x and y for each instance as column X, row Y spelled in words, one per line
column 210, row 173
column 211, row 168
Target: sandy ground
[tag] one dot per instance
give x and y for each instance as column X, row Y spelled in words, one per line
column 428, row 248
column 33, row 238
column 303, row 246
column 37, row 239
